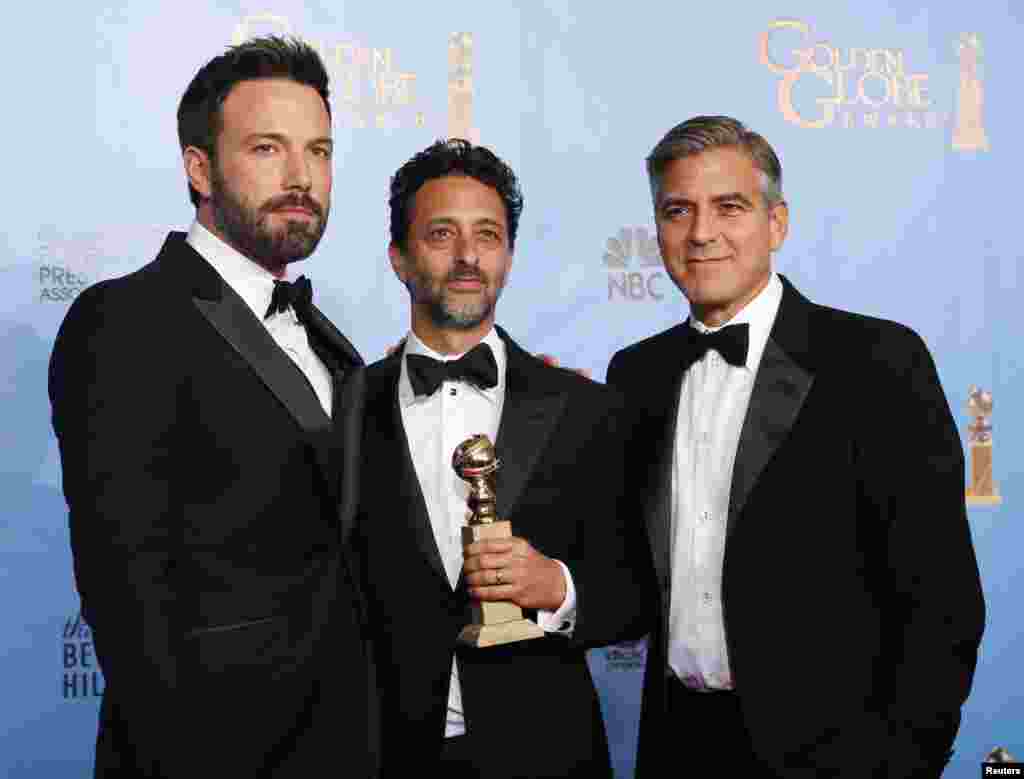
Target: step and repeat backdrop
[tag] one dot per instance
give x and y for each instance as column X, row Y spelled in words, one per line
column 898, row 128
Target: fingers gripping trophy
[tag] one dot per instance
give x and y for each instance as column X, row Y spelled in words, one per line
column 494, row 622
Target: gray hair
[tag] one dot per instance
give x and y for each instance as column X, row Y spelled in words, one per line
column 701, row 133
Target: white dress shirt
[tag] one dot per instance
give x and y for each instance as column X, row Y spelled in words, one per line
column 255, row 285
column 712, row 405
column 435, row 426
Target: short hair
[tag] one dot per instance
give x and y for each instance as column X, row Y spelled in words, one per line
column 200, row 112
column 458, row 157
column 701, row 133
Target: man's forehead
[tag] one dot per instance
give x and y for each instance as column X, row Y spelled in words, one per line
column 458, row 197
column 267, row 105
column 711, row 173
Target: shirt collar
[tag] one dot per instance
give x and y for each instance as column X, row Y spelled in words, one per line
column 759, row 313
column 253, row 283
column 413, row 345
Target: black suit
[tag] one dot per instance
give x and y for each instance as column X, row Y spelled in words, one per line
column 530, row 707
column 853, row 608
column 211, row 500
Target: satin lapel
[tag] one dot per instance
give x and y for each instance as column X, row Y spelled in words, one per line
column 235, row 322
column 532, row 408
column 349, row 413
column 667, row 364
column 333, row 338
column 348, row 377
column 401, row 496
column 659, row 502
column 780, row 389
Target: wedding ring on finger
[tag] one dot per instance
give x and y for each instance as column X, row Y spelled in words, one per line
column 497, row 576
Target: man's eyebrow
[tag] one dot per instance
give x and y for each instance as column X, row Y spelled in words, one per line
column 283, row 139
column 490, row 222
column 674, row 200
column 451, row 221
column 730, row 196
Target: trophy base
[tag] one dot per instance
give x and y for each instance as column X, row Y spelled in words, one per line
column 993, row 499
column 495, row 622
column 503, row 633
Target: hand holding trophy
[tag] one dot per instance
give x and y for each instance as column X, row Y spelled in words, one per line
column 494, row 622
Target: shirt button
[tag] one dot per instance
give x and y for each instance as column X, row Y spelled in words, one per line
column 452, row 392
column 706, row 597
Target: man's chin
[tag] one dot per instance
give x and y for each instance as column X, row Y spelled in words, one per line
column 461, row 319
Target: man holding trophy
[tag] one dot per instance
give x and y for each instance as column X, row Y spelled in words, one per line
column 481, row 629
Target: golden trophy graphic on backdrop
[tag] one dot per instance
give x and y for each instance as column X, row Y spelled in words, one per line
column 981, row 488
column 969, row 133
column 494, row 622
column 460, row 87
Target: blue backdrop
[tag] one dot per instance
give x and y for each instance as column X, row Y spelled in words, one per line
column 903, row 185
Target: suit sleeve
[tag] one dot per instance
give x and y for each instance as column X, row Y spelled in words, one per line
column 615, row 584
column 933, row 576
column 114, row 406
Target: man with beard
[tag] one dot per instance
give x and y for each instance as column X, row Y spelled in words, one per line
column 209, row 419
column 577, row 564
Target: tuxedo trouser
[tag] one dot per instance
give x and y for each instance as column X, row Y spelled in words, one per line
column 708, row 729
column 458, row 759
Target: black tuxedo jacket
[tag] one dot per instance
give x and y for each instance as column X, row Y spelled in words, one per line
column 853, row 608
column 531, row 704
column 211, row 503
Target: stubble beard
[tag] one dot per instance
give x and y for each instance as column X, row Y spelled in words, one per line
column 445, row 313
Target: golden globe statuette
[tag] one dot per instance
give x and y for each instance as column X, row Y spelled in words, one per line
column 494, row 622
column 981, row 488
column 969, row 133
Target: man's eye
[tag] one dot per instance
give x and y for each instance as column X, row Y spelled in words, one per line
column 675, row 211
column 263, row 148
column 322, row 151
column 731, row 208
column 440, row 233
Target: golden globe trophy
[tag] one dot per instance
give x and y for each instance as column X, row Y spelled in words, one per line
column 981, row 489
column 494, row 622
column 969, row 133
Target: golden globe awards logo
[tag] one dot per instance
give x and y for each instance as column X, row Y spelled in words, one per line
column 369, row 88
column 82, row 677
column 633, row 261
column 822, row 85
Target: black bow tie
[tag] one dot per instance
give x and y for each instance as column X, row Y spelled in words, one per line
column 476, row 367
column 298, row 294
column 732, row 342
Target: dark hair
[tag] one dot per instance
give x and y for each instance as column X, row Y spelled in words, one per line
column 200, row 112
column 446, row 158
column 701, row 133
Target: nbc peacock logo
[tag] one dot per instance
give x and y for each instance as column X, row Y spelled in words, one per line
column 633, row 261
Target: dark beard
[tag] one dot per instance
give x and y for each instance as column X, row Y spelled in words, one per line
column 246, row 228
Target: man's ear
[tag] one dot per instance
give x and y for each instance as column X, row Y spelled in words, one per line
column 779, row 224
column 397, row 261
column 198, row 168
